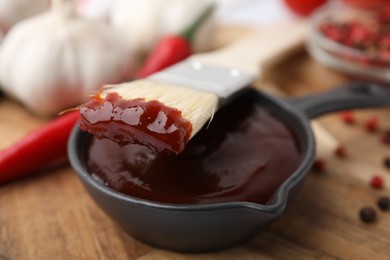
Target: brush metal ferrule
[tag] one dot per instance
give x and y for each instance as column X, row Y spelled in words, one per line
column 206, row 77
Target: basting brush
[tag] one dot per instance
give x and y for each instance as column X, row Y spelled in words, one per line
column 165, row 110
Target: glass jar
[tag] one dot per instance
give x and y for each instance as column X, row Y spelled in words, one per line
column 352, row 40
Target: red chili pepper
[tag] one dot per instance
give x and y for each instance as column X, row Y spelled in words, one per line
column 168, row 51
column 304, row 7
column 172, row 49
column 42, row 147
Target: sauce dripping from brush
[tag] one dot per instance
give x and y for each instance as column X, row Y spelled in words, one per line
column 245, row 154
column 136, row 121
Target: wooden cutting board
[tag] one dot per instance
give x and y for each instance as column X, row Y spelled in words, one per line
column 50, row 216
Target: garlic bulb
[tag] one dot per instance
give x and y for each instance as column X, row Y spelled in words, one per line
column 55, row 60
column 144, row 22
column 12, row 11
column 94, row 9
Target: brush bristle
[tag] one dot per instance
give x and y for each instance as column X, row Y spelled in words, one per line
column 196, row 106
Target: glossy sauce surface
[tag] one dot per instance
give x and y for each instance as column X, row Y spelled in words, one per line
column 150, row 123
column 243, row 155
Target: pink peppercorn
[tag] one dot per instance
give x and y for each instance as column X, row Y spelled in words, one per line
column 332, row 31
column 385, row 137
column 319, row 165
column 372, row 124
column 385, row 42
column 340, row 151
column 348, row 117
column 377, row 182
column 359, row 35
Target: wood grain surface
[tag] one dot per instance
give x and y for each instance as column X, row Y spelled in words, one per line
column 50, row 216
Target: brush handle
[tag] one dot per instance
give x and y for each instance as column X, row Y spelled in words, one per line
column 259, row 50
column 228, row 70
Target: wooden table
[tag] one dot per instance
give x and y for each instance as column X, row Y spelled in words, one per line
column 50, row 216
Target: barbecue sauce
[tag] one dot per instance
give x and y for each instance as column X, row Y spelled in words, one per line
column 245, row 154
column 136, row 121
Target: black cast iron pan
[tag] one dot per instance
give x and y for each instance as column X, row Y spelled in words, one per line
column 199, row 228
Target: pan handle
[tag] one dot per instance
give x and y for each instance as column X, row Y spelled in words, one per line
column 354, row 95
